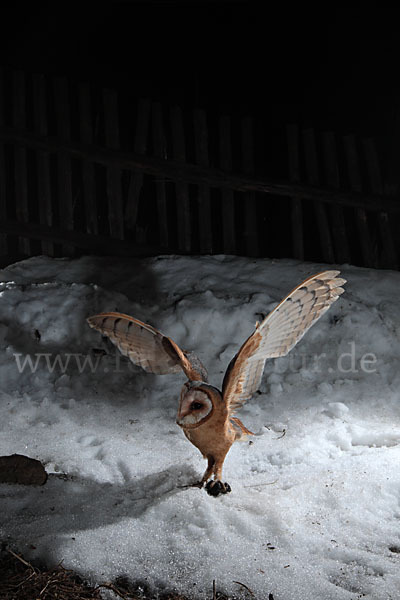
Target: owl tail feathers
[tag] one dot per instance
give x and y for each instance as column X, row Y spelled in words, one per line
column 241, row 431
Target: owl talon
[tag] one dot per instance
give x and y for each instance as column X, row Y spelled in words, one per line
column 215, row 488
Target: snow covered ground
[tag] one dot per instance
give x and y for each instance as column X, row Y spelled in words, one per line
column 314, row 511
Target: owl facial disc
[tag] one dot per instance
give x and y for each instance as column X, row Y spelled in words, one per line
column 194, row 406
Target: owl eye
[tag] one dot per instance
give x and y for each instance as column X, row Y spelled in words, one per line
column 196, row 405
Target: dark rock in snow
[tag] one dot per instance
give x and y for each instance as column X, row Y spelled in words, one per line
column 22, row 469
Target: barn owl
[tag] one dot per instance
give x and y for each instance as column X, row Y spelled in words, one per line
column 206, row 414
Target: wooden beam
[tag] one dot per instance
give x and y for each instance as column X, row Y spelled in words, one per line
column 340, row 241
column 175, row 170
column 88, row 168
column 20, row 161
column 114, row 183
column 3, row 189
column 182, row 189
column 228, row 199
column 389, row 258
column 292, row 135
column 368, row 249
column 203, row 192
column 250, row 200
column 159, row 145
column 64, row 165
column 43, row 159
column 140, row 147
column 320, row 210
column 98, row 244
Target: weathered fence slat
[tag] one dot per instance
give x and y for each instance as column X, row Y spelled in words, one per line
column 389, row 254
column 140, row 147
column 88, row 169
column 251, row 223
column 292, row 135
column 313, row 178
column 353, row 165
column 340, row 241
column 159, row 145
column 20, row 159
column 64, row 165
column 203, row 192
column 182, row 189
column 42, row 159
column 228, row 199
column 114, row 184
column 3, row 191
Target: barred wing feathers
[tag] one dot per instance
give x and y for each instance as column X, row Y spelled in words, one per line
column 147, row 347
column 278, row 334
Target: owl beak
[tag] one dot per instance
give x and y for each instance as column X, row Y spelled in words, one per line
column 179, row 418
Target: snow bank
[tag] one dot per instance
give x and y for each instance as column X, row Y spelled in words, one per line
column 314, row 510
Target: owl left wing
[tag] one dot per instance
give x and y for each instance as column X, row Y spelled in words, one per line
column 278, row 334
column 147, row 347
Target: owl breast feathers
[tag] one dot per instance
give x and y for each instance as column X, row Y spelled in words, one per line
column 205, row 414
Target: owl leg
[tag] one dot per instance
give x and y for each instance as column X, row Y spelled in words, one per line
column 215, row 487
column 208, row 471
column 207, row 474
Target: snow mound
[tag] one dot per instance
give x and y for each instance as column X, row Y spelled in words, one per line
column 315, row 501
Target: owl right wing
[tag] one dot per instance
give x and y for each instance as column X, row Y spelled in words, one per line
column 147, row 347
column 278, row 334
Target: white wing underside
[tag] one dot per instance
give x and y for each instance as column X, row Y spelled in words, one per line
column 280, row 331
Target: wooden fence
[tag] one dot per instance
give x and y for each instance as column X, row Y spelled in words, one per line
column 82, row 170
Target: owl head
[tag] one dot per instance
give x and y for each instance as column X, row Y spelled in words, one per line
column 196, row 404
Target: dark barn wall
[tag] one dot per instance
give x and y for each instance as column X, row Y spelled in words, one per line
column 331, row 70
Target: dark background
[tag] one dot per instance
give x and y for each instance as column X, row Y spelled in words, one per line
column 326, row 63
column 322, row 65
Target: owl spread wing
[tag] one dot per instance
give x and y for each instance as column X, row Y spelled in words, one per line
column 278, row 333
column 147, row 347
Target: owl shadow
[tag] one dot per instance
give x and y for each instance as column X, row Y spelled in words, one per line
column 133, row 281
column 69, row 505
column 129, row 276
